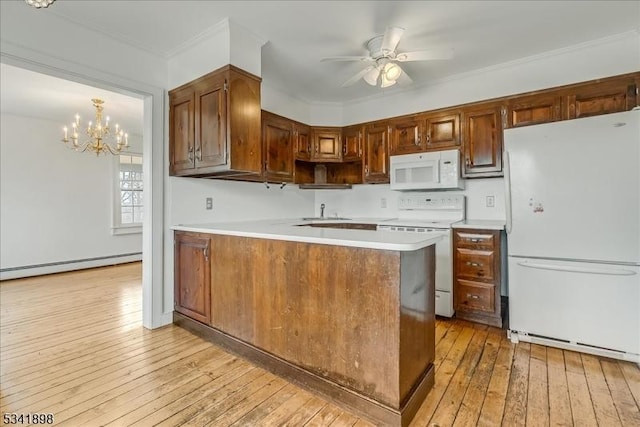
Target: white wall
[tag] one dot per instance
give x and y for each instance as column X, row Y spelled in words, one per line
column 366, row 200
column 55, row 204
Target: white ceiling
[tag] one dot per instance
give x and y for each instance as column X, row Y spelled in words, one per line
column 300, row 33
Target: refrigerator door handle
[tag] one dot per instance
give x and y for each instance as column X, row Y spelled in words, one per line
column 574, row 269
column 507, row 191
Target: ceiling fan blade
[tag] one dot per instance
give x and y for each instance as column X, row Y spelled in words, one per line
column 347, row 58
column 404, row 78
column 358, row 76
column 425, row 55
column 391, row 39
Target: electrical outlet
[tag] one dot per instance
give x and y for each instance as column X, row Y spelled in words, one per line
column 383, row 202
column 209, row 203
column 491, row 201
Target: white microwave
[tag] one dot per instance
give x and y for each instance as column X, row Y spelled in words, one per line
column 436, row 170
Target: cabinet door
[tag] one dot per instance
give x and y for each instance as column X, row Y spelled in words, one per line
column 406, row 137
column 604, row 98
column 192, row 287
column 326, row 144
column 352, row 143
column 302, row 138
column 277, row 139
column 533, row 110
column 376, row 149
column 181, row 130
column 211, row 119
column 442, row 131
column 483, row 142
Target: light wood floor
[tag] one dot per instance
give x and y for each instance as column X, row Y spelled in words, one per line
column 72, row 344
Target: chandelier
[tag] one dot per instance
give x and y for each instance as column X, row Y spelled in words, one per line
column 39, row 3
column 98, row 133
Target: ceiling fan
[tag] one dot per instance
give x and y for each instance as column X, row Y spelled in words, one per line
column 384, row 58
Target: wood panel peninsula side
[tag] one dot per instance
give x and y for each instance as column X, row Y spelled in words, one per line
column 346, row 313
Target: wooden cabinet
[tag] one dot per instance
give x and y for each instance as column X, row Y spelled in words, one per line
column 325, row 144
column 302, row 141
column 214, row 125
column 477, row 263
column 192, row 276
column 406, row 136
column 533, row 110
column 602, row 98
column 352, row 143
column 442, row 130
column 376, row 153
column 181, row 130
column 278, row 146
column 482, row 144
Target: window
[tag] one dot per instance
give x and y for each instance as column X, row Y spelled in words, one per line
column 128, row 209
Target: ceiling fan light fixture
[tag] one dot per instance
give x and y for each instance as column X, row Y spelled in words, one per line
column 372, row 76
column 392, row 71
column 39, row 4
column 386, row 82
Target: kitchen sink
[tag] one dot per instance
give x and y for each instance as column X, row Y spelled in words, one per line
column 344, row 225
column 325, row 218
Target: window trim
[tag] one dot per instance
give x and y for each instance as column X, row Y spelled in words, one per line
column 118, row 229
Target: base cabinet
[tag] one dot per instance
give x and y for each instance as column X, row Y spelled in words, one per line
column 192, row 276
column 477, row 262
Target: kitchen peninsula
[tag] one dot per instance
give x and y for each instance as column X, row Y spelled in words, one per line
column 336, row 306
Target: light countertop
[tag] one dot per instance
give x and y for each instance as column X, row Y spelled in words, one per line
column 290, row 230
column 483, row 224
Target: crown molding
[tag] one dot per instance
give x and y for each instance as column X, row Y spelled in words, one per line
column 222, row 26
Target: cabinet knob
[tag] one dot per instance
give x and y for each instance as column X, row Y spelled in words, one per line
column 418, row 139
column 190, row 155
column 199, row 154
column 472, row 296
column 366, row 169
column 473, row 264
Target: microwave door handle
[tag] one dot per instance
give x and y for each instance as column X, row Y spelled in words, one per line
column 507, row 191
column 436, row 172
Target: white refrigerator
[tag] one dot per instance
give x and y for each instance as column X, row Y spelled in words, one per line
column 573, row 232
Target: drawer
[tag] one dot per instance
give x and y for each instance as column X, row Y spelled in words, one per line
column 475, row 296
column 475, row 264
column 475, row 240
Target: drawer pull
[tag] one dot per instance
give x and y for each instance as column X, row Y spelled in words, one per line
column 473, row 296
column 476, row 240
column 474, row 264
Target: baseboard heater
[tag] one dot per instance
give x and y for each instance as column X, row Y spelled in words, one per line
column 60, row 266
column 517, row 336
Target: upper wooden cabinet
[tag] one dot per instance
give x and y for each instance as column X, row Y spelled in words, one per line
column 376, row 153
column 482, row 146
column 214, row 125
column 442, row 130
column 406, row 136
column 278, row 145
column 602, row 98
column 325, row 144
column 352, row 143
column 192, row 281
column 302, row 141
column 533, row 110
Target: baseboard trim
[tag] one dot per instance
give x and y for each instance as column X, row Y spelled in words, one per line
column 62, row 266
column 352, row 401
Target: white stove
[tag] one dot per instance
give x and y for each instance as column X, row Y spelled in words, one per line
column 432, row 213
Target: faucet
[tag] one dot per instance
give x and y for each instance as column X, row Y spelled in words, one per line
column 322, row 210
